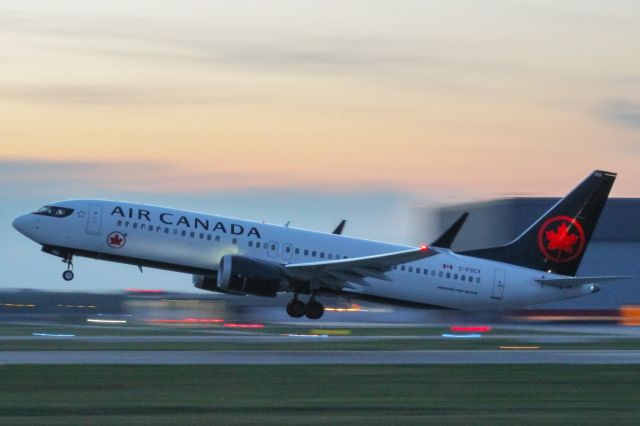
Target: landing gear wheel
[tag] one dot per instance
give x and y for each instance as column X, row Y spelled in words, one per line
column 295, row 308
column 68, row 274
column 314, row 309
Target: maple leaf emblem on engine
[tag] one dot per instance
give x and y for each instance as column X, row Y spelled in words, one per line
column 116, row 240
column 561, row 239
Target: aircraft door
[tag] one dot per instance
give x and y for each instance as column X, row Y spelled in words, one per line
column 498, row 285
column 287, row 252
column 273, row 249
column 94, row 219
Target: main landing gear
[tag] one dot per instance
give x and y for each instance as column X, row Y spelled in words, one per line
column 68, row 274
column 312, row 309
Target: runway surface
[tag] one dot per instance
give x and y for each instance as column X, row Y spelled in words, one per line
column 324, row 357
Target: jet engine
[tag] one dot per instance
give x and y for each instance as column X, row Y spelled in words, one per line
column 206, row 282
column 245, row 275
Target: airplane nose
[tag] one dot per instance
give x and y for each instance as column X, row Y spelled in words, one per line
column 19, row 223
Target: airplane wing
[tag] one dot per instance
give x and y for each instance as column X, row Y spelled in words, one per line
column 338, row 274
column 571, row 281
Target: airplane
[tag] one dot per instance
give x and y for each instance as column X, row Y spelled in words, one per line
column 251, row 258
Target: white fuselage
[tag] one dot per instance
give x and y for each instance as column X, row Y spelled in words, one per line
column 194, row 242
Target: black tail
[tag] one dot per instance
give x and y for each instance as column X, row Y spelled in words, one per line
column 557, row 241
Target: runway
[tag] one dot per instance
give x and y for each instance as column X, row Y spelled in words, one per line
column 323, row 357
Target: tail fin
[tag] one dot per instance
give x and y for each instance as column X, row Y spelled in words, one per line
column 557, row 241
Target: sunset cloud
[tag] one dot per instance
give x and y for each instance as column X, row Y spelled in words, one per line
column 428, row 98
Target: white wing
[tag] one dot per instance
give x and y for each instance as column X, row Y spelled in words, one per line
column 337, row 274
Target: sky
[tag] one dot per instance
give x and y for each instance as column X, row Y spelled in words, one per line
column 307, row 111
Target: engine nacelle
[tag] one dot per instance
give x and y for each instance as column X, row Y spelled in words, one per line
column 206, row 282
column 245, row 275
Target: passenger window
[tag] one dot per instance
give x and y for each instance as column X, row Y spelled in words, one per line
column 440, row 274
column 478, row 280
column 135, row 225
column 297, row 251
column 330, row 255
column 322, row 254
column 402, row 268
column 410, row 268
column 463, row 278
column 470, row 279
column 126, row 224
column 287, row 249
column 201, row 236
column 306, row 252
column 313, row 253
column 250, row 243
column 183, row 233
column 208, row 237
column 426, row 272
column 193, row 234
column 433, row 273
column 448, row 274
column 234, row 240
column 150, row 227
column 175, row 232
column 273, row 246
column 258, row 244
column 142, row 227
column 217, row 237
column 166, row 230
column 455, row 276
column 119, row 223
column 418, row 270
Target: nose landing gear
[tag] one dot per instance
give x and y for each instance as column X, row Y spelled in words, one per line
column 68, row 274
column 312, row 309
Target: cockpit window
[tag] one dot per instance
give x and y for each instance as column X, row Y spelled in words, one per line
column 54, row 211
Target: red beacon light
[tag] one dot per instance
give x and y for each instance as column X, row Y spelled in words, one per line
column 424, row 247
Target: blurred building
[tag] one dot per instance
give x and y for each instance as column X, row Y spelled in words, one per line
column 614, row 247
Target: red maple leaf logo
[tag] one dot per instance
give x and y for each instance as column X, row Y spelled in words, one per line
column 561, row 239
column 115, row 240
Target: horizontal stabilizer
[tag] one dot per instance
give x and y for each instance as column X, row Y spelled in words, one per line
column 572, row 281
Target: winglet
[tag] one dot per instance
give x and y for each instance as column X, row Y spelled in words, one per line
column 447, row 238
column 339, row 228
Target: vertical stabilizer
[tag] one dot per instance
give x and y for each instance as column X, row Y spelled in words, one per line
column 557, row 241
